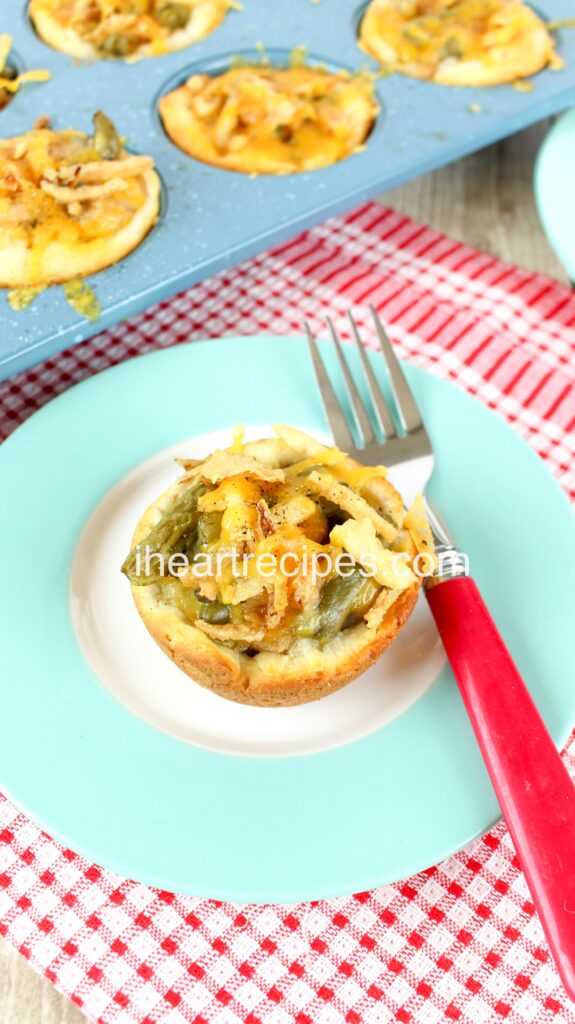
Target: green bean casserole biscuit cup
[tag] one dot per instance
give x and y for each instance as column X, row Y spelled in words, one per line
column 276, row 571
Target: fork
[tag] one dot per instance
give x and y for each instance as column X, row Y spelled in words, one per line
column 534, row 790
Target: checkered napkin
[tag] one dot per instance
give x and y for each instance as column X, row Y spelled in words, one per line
column 459, row 942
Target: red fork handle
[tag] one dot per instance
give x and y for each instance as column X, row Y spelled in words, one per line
column 534, row 790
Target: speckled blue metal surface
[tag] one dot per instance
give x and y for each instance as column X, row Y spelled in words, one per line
column 212, row 218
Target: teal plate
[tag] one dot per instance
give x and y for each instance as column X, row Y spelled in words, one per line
column 555, row 189
column 268, row 828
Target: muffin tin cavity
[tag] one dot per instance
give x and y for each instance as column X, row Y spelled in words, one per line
column 546, row 17
column 173, row 26
column 278, row 58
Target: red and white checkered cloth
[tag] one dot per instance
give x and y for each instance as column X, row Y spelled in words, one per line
column 458, row 942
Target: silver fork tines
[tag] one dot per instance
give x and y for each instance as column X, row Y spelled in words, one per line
column 366, row 433
column 336, row 419
column 385, row 421
column 405, row 445
column 404, row 399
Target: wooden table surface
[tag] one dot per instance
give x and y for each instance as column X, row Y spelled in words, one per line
column 485, row 200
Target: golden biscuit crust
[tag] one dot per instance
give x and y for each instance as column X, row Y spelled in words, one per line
column 270, row 679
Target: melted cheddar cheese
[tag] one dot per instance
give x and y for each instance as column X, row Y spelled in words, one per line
column 266, row 120
column 458, row 42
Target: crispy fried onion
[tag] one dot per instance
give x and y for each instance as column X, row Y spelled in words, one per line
column 82, row 183
column 416, row 523
column 265, row 518
column 375, row 615
column 68, row 194
column 352, row 503
column 270, row 451
column 360, row 540
column 221, row 465
column 100, row 170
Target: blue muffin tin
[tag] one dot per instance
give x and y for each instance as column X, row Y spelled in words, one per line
column 212, row 218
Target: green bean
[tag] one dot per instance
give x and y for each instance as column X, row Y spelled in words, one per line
column 194, row 607
column 420, row 31
column 114, row 46
column 173, row 15
column 209, row 529
column 344, row 601
column 107, row 142
column 175, row 533
column 452, row 47
column 215, row 612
